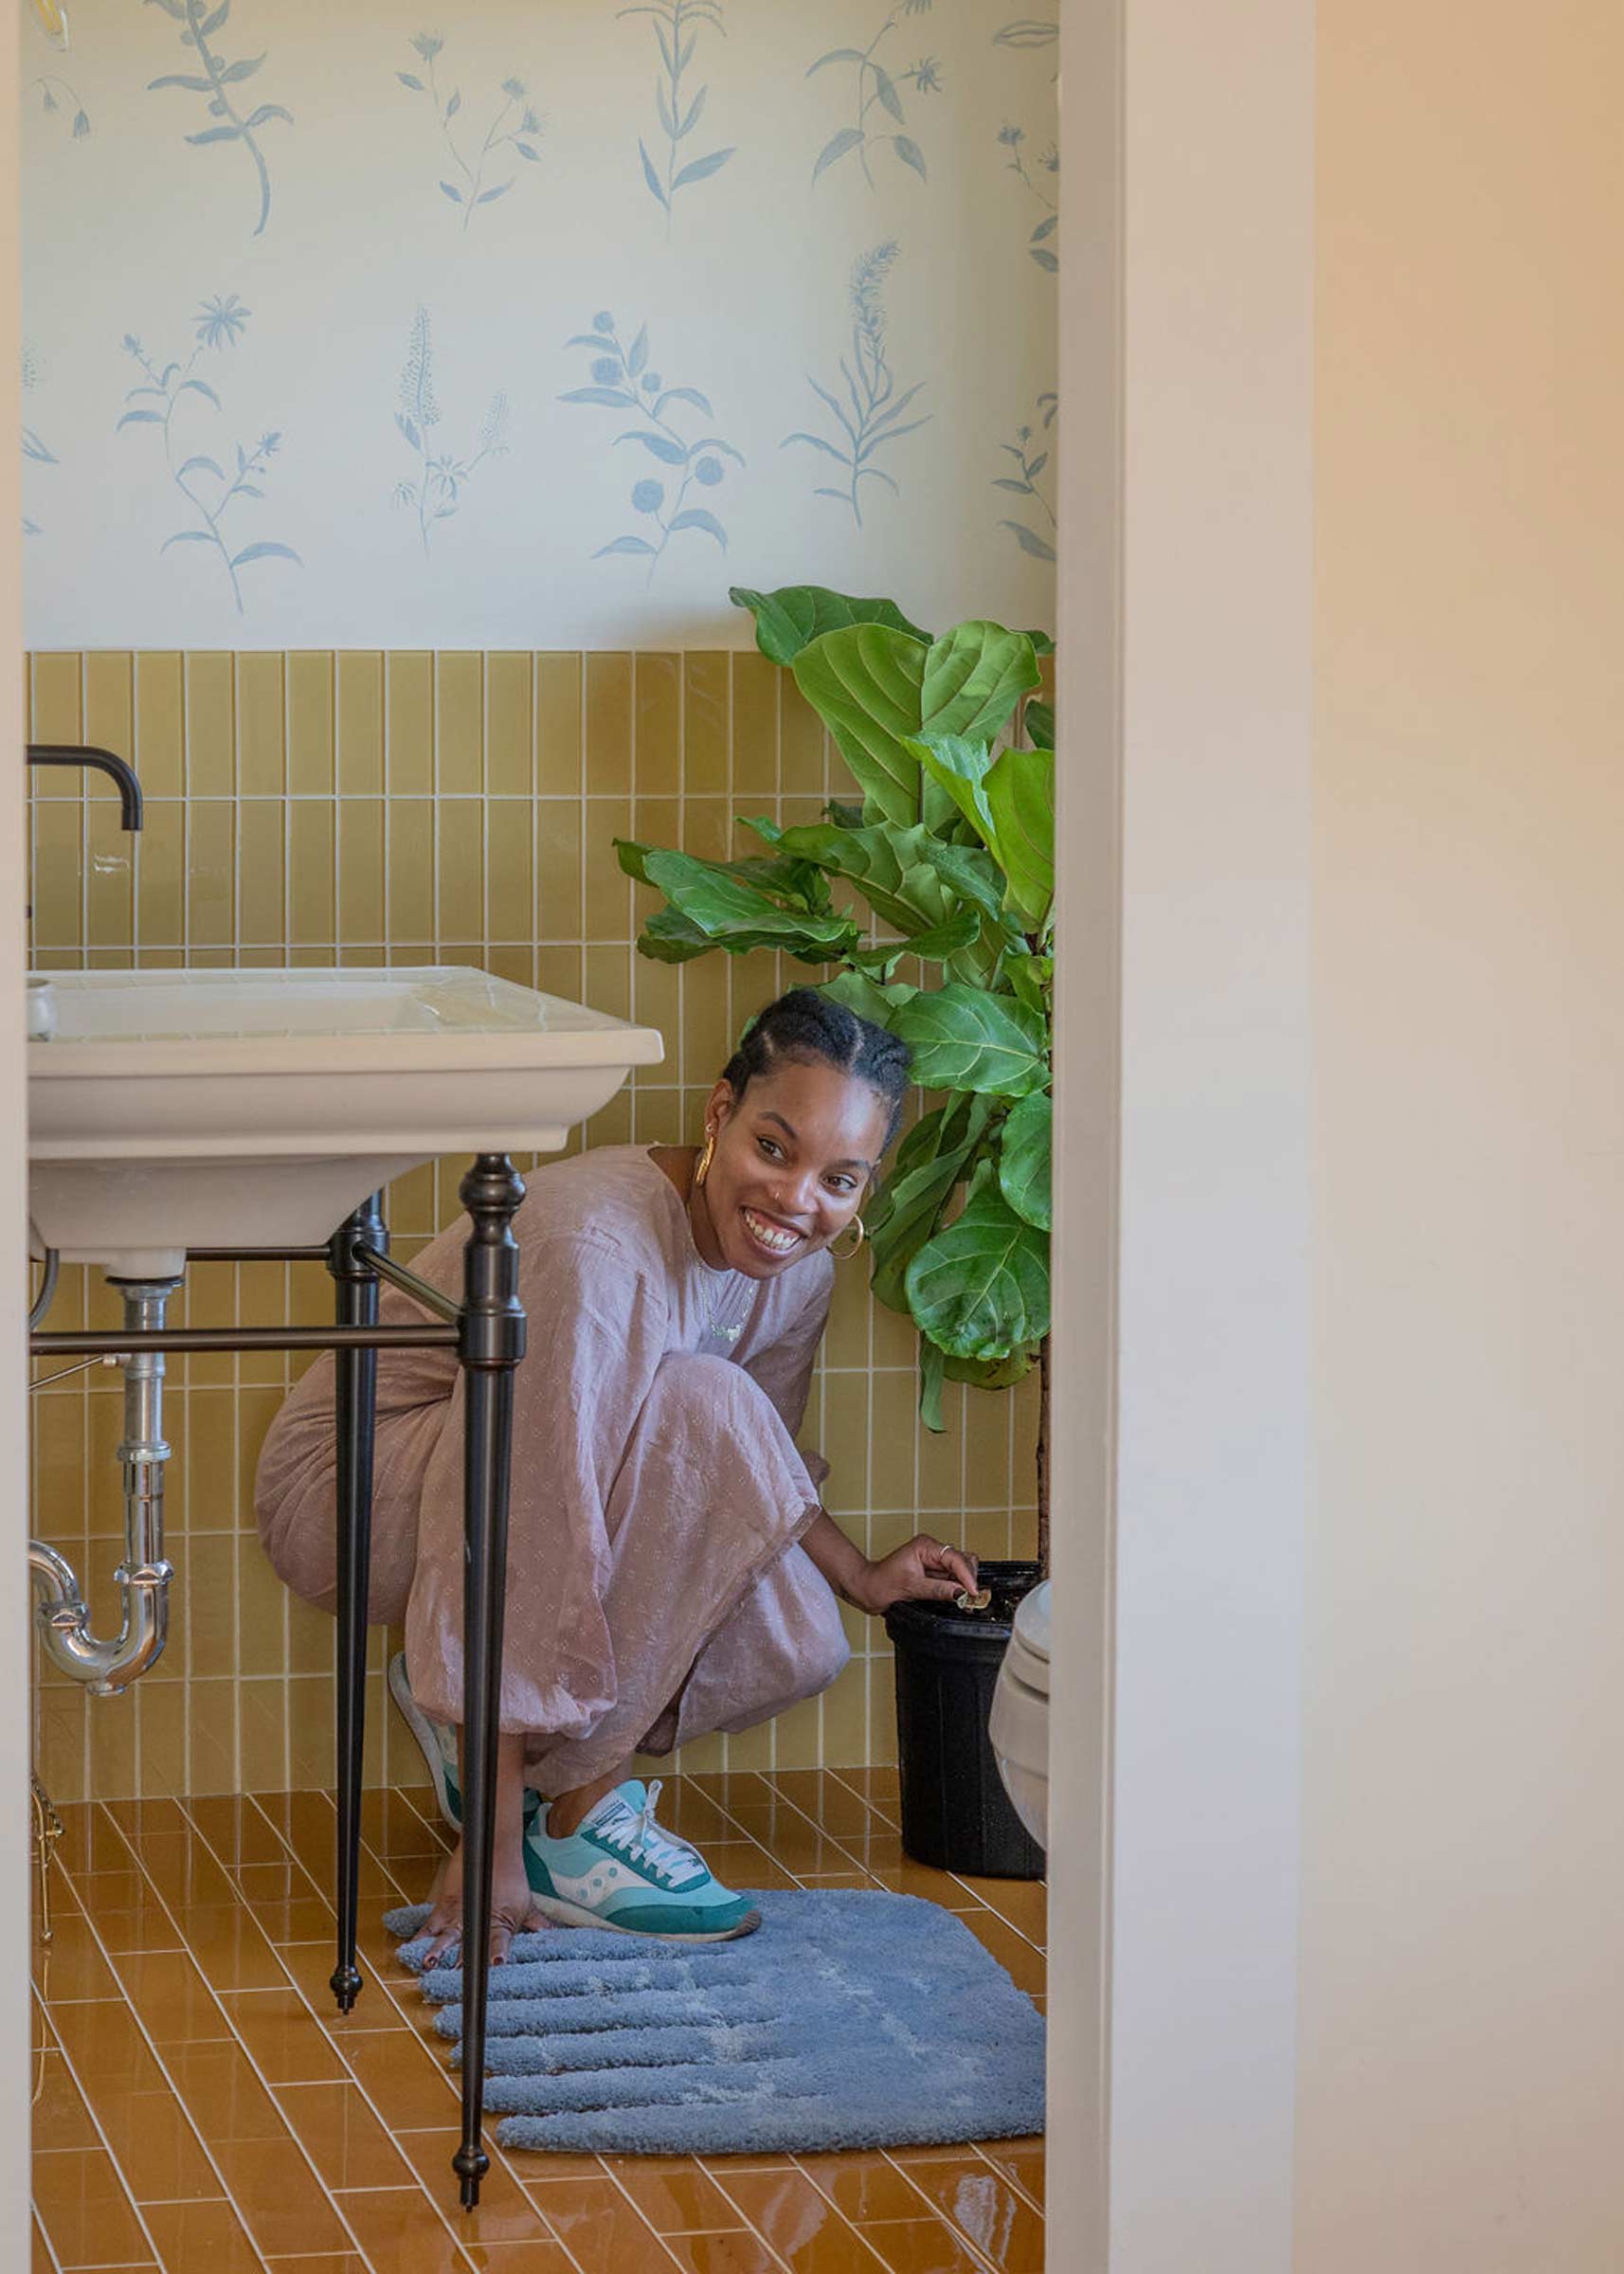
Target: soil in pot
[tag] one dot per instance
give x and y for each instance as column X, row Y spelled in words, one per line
column 956, row 1814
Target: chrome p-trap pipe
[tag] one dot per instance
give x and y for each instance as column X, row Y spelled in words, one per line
column 109, row 1664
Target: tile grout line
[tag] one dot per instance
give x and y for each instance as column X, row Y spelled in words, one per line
column 100, row 1811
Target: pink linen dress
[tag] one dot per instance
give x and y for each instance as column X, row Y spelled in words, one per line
column 656, row 1590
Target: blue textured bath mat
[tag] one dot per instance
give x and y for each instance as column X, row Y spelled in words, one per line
column 849, row 2019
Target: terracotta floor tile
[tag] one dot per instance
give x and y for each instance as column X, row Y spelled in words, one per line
column 341, row 2135
column 191, row 2237
column 1023, row 1901
column 143, row 1925
column 116, row 1889
column 390, row 1826
column 303, row 1918
column 140, row 1820
column 1024, row 1964
column 731, row 2253
column 222, row 2093
column 865, row 2187
column 286, row 2042
column 229, row 1948
column 157, row 2148
column 514, row 2258
column 505, row 2213
column 400, row 2231
column 109, row 2054
column 800, row 2223
column 1022, row 2161
column 40, row 2259
column 343, row 2262
column 278, row 2198
column 59, row 2116
column 184, row 1871
column 599, row 2229
column 409, row 2090
column 71, row 1965
column 170, row 1998
column 85, row 2210
column 923, row 2247
column 91, row 1840
column 675, row 2197
column 236, row 1831
column 984, row 2207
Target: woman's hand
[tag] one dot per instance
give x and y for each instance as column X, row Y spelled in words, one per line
column 922, row 1570
column 512, row 1906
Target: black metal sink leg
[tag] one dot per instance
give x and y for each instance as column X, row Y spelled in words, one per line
column 493, row 1340
column 355, row 1387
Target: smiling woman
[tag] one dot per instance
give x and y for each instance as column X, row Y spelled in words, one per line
column 670, row 1569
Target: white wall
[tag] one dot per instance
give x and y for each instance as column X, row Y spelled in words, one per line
column 1183, row 1229
column 1462, row 2082
column 318, row 242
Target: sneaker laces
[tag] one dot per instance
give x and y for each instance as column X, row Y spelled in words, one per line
column 640, row 1836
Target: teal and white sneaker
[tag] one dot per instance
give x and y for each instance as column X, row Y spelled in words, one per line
column 438, row 1743
column 620, row 1870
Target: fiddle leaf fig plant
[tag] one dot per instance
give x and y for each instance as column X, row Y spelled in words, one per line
column 951, row 854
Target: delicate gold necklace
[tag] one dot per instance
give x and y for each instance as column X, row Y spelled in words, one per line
column 714, row 1324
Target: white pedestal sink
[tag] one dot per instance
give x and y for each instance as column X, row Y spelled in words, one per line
column 175, row 1110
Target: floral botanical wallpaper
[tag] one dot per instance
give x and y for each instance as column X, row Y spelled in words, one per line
column 348, row 326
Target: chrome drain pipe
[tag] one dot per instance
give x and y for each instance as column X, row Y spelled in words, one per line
column 109, row 1664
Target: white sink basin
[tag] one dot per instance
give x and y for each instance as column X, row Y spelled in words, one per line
column 175, row 1110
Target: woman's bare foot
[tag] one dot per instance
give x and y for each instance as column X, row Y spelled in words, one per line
column 513, row 1908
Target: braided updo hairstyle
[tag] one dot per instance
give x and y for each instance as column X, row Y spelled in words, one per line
column 806, row 1026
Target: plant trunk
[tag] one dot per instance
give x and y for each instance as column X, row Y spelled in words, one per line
column 1043, row 1457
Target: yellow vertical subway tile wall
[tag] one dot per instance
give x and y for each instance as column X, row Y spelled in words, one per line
column 366, row 808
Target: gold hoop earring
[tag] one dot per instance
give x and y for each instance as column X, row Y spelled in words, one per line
column 862, row 1235
column 702, row 1167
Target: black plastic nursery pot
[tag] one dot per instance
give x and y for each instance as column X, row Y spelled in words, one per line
column 956, row 1814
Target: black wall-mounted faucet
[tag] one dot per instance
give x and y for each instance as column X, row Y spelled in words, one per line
column 103, row 762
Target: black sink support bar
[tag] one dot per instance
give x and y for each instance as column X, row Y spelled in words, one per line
column 493, row 1344
column 355, row 1409
column 487, row 1331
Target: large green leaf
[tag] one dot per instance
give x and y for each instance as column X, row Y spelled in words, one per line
column 668, row 937
column 929, row 1164
column 890, row 867
column 959, row 768
column 870, row 1000
column 1020, row 791
column 974, row 676
column 864, row 684
column 1024, row 1158
column 1040, row 725
column 990, row 1373
column 940, row 945
column 798, row 883
column 980, row 1287
column 738, row 916
column 963, row 1039
column 790, row 619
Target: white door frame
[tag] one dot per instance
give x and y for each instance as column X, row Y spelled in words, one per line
column 1182, row 1262
column 14, row 1597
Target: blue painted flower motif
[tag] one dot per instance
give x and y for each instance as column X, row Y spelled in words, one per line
column 866, row 421
column 875, row 84
column 220, row 322
column 1024, row 484
column 646, row 409
column 676, row 27
column 216, row 80
column 35, row 448
column 437, row 491
column 210, row 492
column 59, row 94
column 1039, row 243
column 470, row 192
